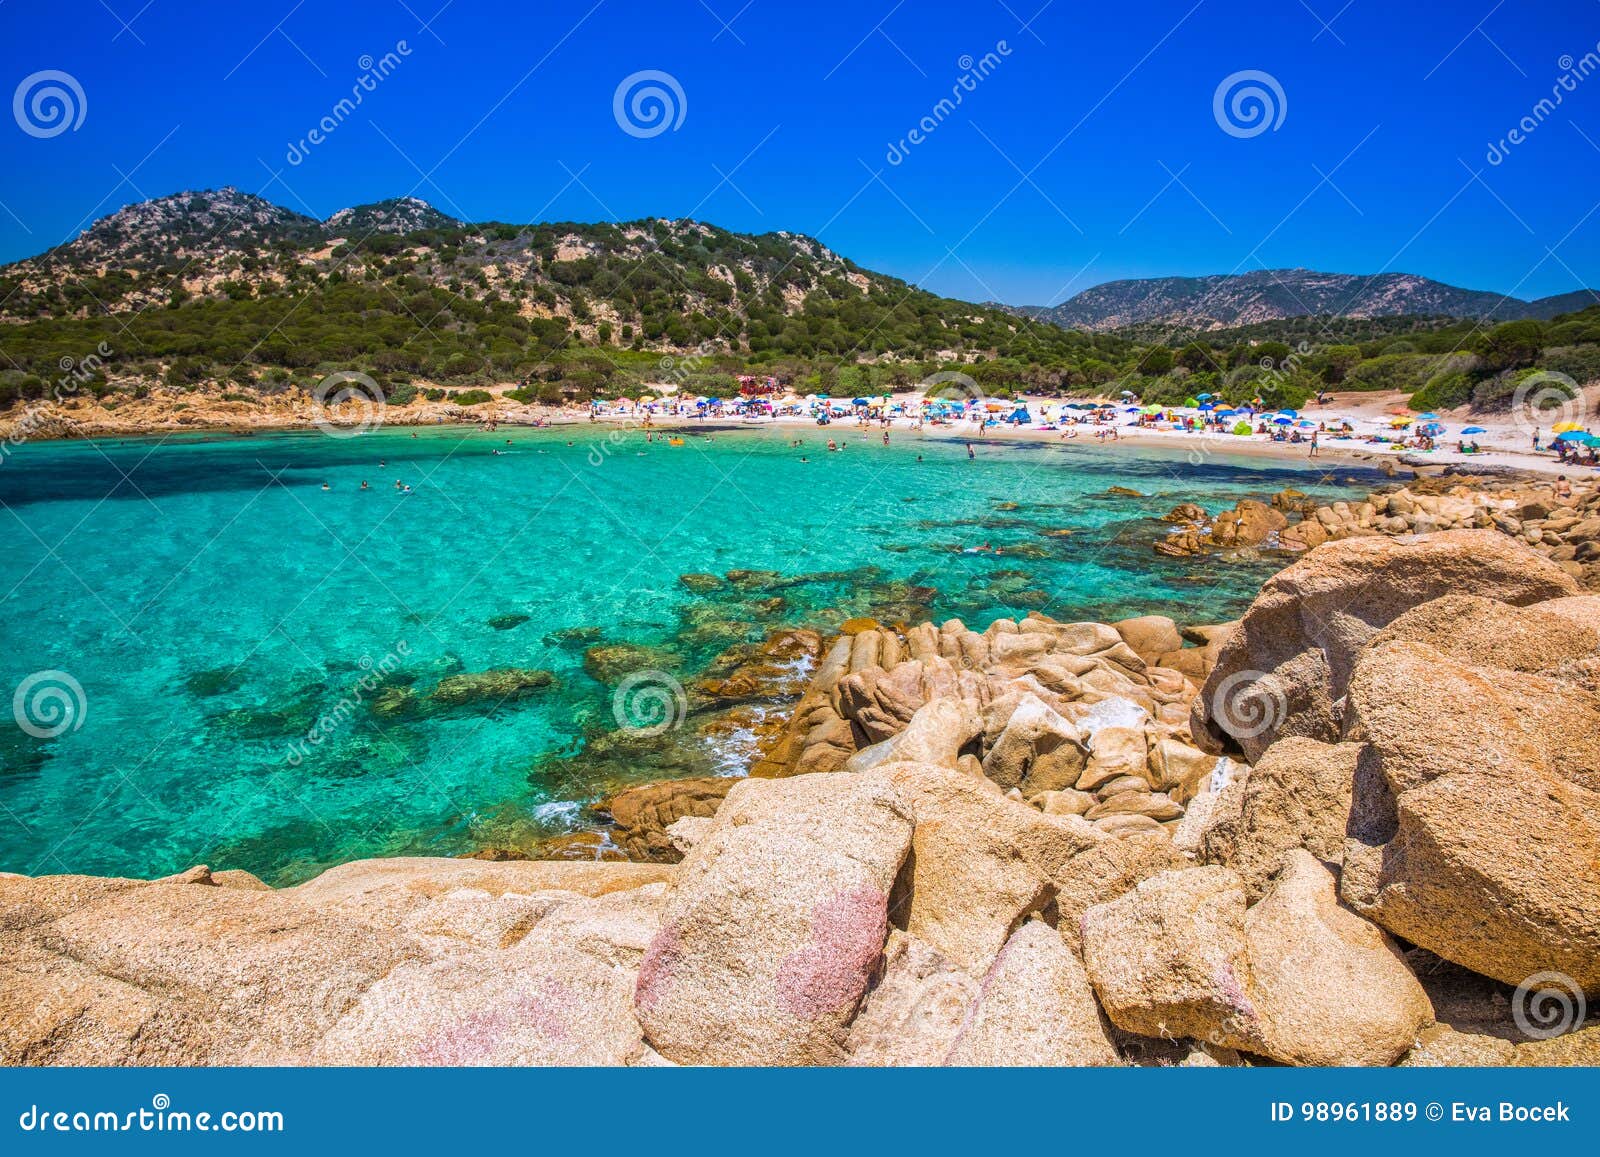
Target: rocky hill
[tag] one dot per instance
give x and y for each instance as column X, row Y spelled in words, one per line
column 676, row 282
column 1224, row 300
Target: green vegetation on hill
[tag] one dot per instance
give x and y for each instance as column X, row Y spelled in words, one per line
column 223, row 289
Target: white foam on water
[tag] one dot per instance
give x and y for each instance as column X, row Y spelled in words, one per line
column 558, row 812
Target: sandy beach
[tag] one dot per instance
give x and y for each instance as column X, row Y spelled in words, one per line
column 1506, row 441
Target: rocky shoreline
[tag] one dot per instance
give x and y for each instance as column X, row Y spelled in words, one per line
column 1360, row 826
column 1558, row 518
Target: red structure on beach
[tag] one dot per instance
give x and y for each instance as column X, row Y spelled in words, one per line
column 753, row 387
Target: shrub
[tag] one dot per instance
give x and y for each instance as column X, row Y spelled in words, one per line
column 1443, row 392
column 472, row 397
column 1580, row 363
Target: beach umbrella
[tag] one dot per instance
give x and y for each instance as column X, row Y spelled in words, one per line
column 859, row 402
column 1474, row 430
column 1429, row 417
column 1205, row 397
column 1570, row 436
column 1588, row 440
column 1289, row 413
column 1280, row 420
column 1564, row 427
column 1399, row 423
column 1306, row 423
column 1127, row 393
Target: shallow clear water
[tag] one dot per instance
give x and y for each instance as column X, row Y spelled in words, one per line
column 213, row 602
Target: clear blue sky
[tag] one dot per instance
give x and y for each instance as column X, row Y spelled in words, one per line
column 1089, row 152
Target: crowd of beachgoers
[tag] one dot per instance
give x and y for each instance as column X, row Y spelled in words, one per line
column 1341, row 425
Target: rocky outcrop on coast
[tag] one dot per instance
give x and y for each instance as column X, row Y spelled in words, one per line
column 1557, row 519
column 1361, row 826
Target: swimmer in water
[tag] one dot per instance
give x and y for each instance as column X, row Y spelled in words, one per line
column 970, row 452
column 325, row 486
column 364, row 485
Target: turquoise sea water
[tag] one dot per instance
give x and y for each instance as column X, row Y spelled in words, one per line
column 213, row 602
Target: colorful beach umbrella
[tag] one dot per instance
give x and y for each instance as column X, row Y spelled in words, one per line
column 1566, row 427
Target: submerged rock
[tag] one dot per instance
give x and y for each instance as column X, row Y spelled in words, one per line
column 611, row 663
column 502, row 685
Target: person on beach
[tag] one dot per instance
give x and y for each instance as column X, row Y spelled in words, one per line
column 1314, row 436
column 1563, row 487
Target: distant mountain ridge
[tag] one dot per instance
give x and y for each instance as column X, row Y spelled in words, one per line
column 1220, row 301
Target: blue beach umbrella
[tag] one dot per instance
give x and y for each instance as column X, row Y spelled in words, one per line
column 1280, row 420
column 1430, row 417
column 1474, row 430
column 1205, row 397
column 1571, row 436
